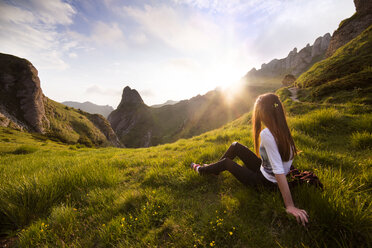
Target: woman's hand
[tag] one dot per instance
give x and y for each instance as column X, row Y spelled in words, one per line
column 300, row 214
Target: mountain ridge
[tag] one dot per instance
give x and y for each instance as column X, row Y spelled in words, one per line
column 90, row 107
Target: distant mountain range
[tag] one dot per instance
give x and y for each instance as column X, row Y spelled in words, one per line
column 91, row 107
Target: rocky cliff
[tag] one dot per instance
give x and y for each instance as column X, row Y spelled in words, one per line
column 23, row 106
column 351, row 27
column 21, row 100
column 295, row 63
column 132, row 120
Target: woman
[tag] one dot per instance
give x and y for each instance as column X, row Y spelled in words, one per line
column 274, row 144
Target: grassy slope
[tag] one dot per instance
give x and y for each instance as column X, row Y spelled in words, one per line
column 55, row 195
column 348, row 72
column 72, row 126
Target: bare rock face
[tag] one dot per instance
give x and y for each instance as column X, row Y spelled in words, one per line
column 288, row 80
column 132, row 118
column 130, row 96
column 296, row 62
column 363, row 6
column 351, row 27
column 21, row 95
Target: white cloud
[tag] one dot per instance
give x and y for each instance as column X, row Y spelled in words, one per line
column 97, row 90
column 49, row 12
column 107, row 35
column 232, row 7
column 9, row 13
column 139, row 38
column 29, row 29
column 183, row 32
column 103, row 33
column 72, row 55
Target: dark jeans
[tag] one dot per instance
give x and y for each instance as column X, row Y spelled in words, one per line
column 249, row 174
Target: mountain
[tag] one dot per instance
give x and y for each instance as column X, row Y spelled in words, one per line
column 21, row 98
column 347, row 74
column 90, row 107
column 351, row 27
column 138, row 125
column 169, row 102
column 294, row 64
column 23, row 106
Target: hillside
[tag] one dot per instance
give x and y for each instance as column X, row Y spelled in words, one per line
column 345, row 76
column 90, row 107
column 23, row 106
column 149, row 197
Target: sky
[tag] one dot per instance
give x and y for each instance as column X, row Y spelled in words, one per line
column 89, row 50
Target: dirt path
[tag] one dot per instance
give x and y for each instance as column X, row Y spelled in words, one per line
column 293, row 96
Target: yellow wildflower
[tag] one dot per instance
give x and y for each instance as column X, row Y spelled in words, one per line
column 231, row 233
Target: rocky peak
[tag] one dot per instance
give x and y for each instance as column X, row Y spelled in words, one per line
column 21, row 97
column 130, row 96
column 320, row 45
column 296, row 62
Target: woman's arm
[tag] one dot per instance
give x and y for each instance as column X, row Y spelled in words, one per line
column 300, row 214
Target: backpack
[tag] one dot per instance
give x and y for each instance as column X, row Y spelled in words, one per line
column 296, row 177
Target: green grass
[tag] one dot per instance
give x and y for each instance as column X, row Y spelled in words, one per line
column 55, row 195
column 72, row 126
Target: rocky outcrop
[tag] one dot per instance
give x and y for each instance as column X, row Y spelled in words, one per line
column 132, row 120
column 91, row 107
column 21, row 97
column 351, row 27
column 102, row 124
column 288, row 79
column 296, row 62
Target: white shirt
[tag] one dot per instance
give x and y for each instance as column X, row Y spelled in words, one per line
column 271, row 160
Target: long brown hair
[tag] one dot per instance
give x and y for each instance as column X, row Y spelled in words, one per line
column 269, row 110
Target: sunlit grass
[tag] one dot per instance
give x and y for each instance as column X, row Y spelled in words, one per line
column 55, row 195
